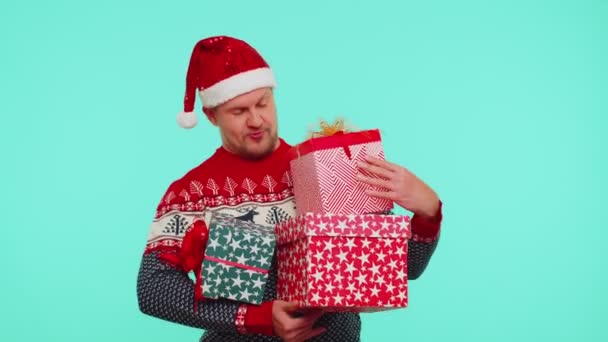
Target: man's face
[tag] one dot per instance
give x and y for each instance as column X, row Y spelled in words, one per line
column 248, row 124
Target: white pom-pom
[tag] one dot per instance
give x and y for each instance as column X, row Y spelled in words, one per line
column 187, row 119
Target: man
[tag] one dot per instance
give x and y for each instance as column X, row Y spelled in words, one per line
column 248, row 177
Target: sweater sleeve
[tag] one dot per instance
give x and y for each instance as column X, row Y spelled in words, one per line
column 425, row 236
column 168, row 293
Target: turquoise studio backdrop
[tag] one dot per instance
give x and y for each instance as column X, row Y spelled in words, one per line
column 499, row 105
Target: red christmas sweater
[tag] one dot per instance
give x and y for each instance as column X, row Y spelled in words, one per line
column 256, row 191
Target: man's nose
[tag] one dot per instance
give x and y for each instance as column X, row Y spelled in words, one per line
column 255, row 118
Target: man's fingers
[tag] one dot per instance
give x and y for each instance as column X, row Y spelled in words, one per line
column 308, row 334
column 306, row 321
column 377, row 170
column 383, row 163
column 290, row 306
column 381, row 194
column 381, row 183
column 297, row 334
column 309, row 320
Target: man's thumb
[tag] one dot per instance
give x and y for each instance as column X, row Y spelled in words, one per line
column 291, row 306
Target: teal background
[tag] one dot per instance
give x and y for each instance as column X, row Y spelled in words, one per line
column 500, row 106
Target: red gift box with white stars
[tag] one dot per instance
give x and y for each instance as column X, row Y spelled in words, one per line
column 342, row 262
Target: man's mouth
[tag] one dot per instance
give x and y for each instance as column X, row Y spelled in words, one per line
column 256, row 135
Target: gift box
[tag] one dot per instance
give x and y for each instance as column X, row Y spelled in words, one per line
column 354, row 263
column 324, row 171
column 238, row 255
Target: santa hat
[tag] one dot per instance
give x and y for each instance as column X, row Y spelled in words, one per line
column 220, row 69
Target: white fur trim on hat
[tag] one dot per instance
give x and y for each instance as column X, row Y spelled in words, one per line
column 237, row 85
column 187, row 119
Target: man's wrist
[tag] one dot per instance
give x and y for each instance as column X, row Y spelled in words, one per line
column 431, row 213
column 257, row 319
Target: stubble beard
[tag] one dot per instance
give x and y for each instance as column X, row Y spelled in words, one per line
column 266, row 151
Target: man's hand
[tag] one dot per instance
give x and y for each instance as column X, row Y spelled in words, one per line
column 404, row 188
column 294, row 329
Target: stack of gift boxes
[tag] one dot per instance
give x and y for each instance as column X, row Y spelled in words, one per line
column 340, row 252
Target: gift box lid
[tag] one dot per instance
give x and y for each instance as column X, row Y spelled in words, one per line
column 239, row 242
column 333, row 141
column 365, row 225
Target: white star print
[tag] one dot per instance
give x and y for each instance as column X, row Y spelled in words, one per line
column 385, row 225
column 365, row 224
column 375, row 269
column 238, row 281
column 329, row 246
column 235, row 245
column 319, row 255
column 361, row 278
column 341, row 226
column 400, row 252
column 363, row 257
column 381, row 256
column 318, row 275
column 267, row 240
column 350, row 243
column 338, row 278
column 322, row 226
column 366, row 243
column 210, row 268
column 263, row 260
column 254, row 249
column 350, row 268
column 401, row 275
column 251, row 273
column 207, row 288
column 342, row 256
column 380, row 280
column 241, row 259
column 387, row 242
column 257, row 283
column 213, row 243
column 245, row 294
column 315, row 297
column 247, row 237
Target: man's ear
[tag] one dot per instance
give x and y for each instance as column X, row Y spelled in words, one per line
column 210, row 114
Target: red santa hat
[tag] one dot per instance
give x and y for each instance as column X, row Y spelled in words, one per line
column 220, row 69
